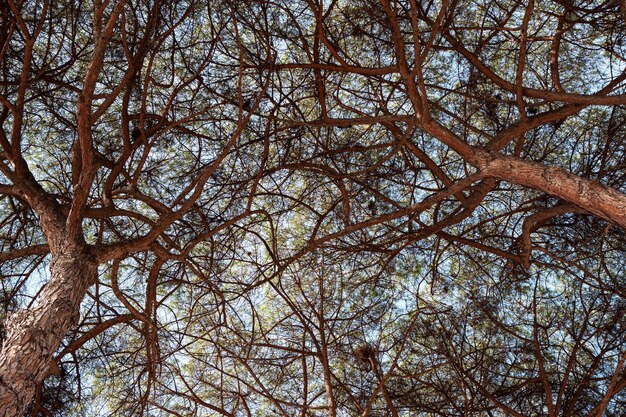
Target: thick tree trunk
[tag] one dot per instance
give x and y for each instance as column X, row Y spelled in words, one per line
column 34, row 335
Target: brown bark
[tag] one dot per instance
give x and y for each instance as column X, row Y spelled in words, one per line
column 534, row 221
column 34, row 335
column 591, row 196
column 598, row 199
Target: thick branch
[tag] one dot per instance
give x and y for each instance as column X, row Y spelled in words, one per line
column 592, row 196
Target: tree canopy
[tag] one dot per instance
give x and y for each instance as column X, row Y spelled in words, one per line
column 313, row 208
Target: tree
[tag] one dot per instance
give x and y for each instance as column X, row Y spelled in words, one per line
column 312, row 208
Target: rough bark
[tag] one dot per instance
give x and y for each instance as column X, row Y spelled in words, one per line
column 34, row 335
column 603, row 201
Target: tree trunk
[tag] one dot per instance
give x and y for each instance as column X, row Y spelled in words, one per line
column 34, row 335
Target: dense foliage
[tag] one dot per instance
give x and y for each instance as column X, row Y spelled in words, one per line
column 322, row 208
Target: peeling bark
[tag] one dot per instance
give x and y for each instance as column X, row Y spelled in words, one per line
column 34, row 335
